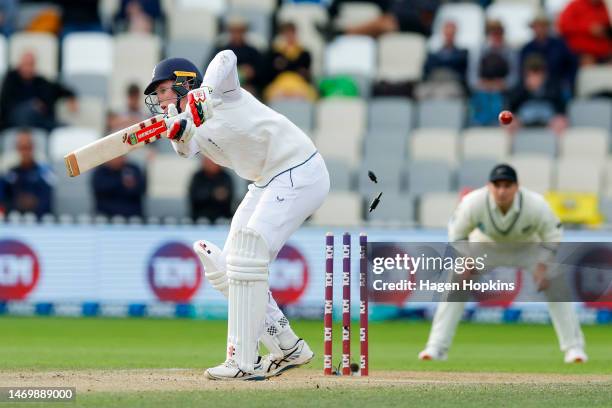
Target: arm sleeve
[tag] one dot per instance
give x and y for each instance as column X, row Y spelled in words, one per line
column 186, row 150
column 551, row 232
column 461, row 223
column 222, row 76
column 550, row 228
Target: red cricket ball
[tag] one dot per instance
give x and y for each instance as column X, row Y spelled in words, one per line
column 505, row 117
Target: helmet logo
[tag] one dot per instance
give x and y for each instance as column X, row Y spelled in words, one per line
column 154, row 68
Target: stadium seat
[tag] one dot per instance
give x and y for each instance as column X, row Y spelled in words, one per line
column 88, row 85
column 354, row 13
column 388, row 174
column 340, row 175
column 441, row 113
column 428, row 176
column 401, row 57
column 578, row 175
column 516, row 18
column 531, row 3
column 535, row 141
column 605, row 208
column 584, row 142
column 71, row 195
column 391, row 114
column 176, row 207
column 263, row 5
column 339, row 209
column 474, row 173
column 534, row 171
column 593, row 80
column 196, row 51
column 301, row 113
column 87, row 53
column 351, row 55
column 435, row 209
column 393, row 208
column 3, row 57
column 63, row 140
column 434, row 144
column 607, row 178
column 575, row 208
column 485, row 143
column 259, row 22
column 591, row 113
column 385, row 146
column 43, row 45
column 342, row 115
column 470, row 22
column 341, row 145
column 554, row 7
column 304, row 15
column 136, row 55
column 165, row 184
column 91, row 114
column 194, row 23
column 216, row 7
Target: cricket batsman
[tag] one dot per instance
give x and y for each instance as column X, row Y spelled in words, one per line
column 504, row 212
column 289, row 183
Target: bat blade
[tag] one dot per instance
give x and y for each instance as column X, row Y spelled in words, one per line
column 115, row 145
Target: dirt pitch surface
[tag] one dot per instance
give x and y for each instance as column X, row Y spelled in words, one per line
column 193, row 380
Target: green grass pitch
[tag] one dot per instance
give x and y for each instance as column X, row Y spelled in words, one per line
column 32, row 345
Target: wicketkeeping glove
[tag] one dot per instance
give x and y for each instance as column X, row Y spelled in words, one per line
column 179, row 129
column 200, row 105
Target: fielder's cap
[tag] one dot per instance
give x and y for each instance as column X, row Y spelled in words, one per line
column 503, row 172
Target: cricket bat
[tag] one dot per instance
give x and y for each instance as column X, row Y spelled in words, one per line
column 115, row 145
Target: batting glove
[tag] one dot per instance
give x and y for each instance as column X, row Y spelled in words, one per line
column 199, row 105
column 179, row 129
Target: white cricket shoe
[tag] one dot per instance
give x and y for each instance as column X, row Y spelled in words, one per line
column 575, row 355
column 298, row 355
column 229, row 371
column 431, row 353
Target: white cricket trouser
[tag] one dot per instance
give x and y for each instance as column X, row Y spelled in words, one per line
column 277, row 210
column 448, row 314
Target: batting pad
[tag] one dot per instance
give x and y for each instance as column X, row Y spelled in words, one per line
column 247, row 271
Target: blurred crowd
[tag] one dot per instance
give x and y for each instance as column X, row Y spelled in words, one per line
column 535, row 81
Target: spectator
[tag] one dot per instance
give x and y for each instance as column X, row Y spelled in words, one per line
column 79, row 15
column 400, row 15
column 119, row 188
column 139, row 15
column 560, row 62
column 211, row 192
column 491, row 72
column 289, row 67
column 132, row 114
column 28, row 99
column 8, row 16
column 28, row 186
column 495, row 66
column 449, row 58
column 249, row 58
column 585, row 25
column 537, row 101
